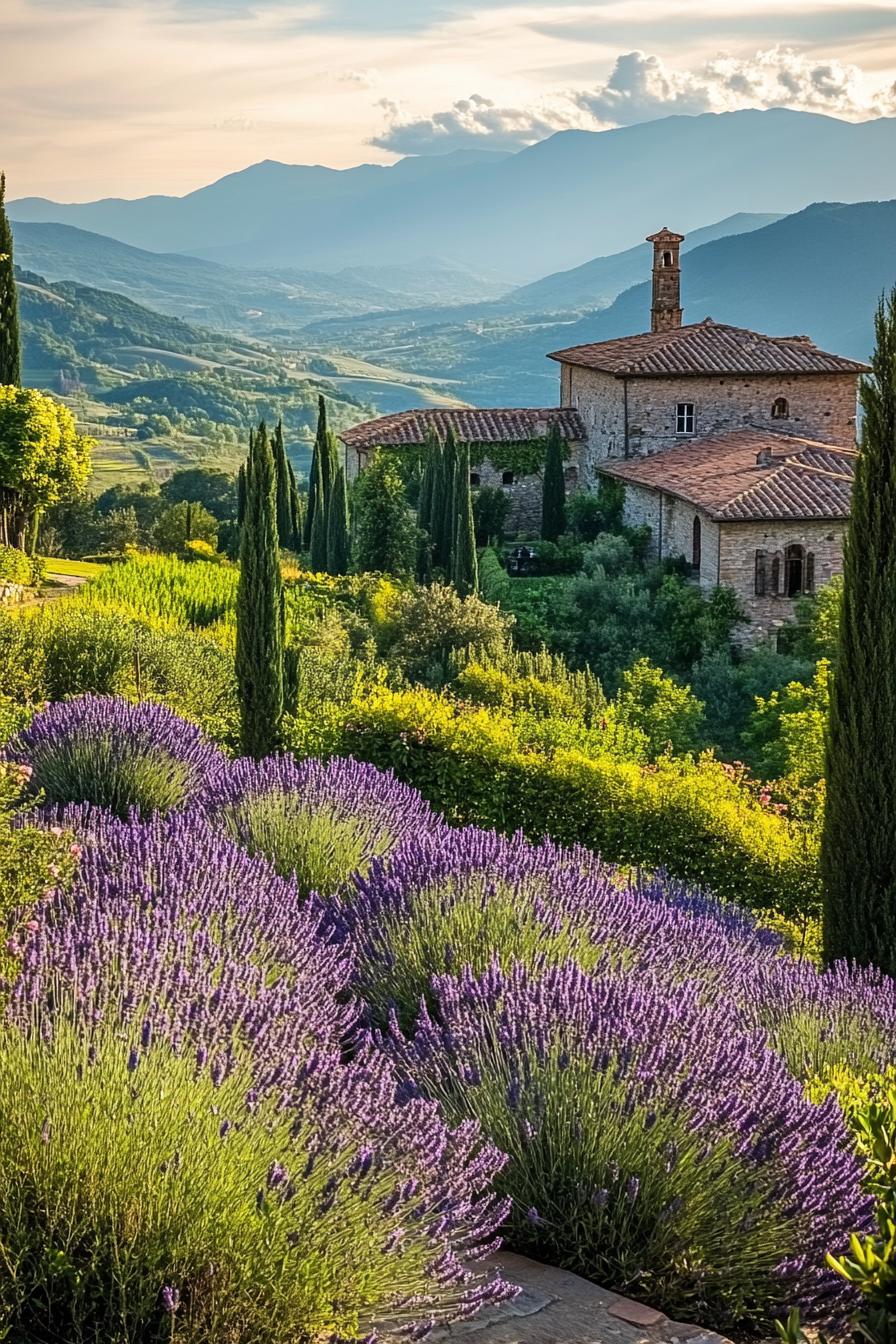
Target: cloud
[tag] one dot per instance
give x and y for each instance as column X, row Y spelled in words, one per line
column 642, row 87
column 473, row 121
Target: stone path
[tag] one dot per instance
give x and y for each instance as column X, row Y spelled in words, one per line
column 556, row 1307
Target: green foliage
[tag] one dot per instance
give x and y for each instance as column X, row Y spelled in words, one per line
column 445, row 520
column 185, row 522
column 15, row 566
column 590, row 512
column 317, row 545
column 10, row 346
column 120, row 1182
column 338, row 527
column 428, row 627
column 786, row 732
column 284, row 500
column 464, row 563
column 670, row 716
column 43, row 458
column 214, row 489
column 98, row 770
column 553, row 495
column 31, row 860
column 817, row 632
column 858, row 853
column 385, row 533
column 494, row 583
column 259, row 607
column 317, row 475
column 491, row 505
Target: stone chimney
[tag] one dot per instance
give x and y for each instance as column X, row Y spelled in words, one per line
column 665, row 310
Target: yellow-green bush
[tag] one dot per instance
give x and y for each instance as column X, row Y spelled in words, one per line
column 691, row 818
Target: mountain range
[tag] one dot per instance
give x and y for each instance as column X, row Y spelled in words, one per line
column 561, row 202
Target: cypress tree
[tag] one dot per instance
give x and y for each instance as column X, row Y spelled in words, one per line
column 321, row 449
column 241, row 490
column 338, row 540
column 464, row 561
column 281, row 467
column 437, row 505
column 553, row 498
column 10, row 347
column 259, row 607
column 858, row 848
column 317, row 544
column 446, row 521
column 432, row 451
column 295, row 511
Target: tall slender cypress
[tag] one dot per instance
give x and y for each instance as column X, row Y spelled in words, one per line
column 437, row 505
column 858, row 848
column 241, row 490
column 553, row 497
column 10, row 347
column 321, row 449
column 338, row 538
column 317, row 542
column 281, row 468
column 432, row 453
column 259, row 607
column 464, row 561
column 295, row 511
column 447, row 521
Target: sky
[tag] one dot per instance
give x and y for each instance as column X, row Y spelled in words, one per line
column 134, row 97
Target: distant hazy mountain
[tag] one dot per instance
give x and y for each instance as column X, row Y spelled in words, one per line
column 559, row 203
column 818, row 272
column 261, row 303
column 598, row 282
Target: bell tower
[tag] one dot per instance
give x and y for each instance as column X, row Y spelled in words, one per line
column 665, row 309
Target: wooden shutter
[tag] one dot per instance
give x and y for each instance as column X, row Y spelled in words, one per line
column 775, row 585
column 809, row 573
column 761, row 573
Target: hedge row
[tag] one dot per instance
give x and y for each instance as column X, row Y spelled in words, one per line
column 693, row 820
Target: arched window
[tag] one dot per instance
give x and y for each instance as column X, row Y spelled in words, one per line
column 667, row 258
column 695, row 545
column 474, row 478
column 507, row 478
column 780, row 409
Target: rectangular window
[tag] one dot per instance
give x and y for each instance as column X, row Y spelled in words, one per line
column 684, row 418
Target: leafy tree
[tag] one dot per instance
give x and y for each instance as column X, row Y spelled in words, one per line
column 43, row 459
column 430, row 626
column 338, row 540
column 183, row 522
column 785, row 735
column 10, row 346
column 669, row 715
column 215, row 489
column 591, row 512
column 491, row 505
column 259, row 607
column 858, row 850
column 385, row 533
column 553, row 497
column 119, row 530
column 464, row 566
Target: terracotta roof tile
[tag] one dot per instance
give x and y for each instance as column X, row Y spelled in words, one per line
column 471, row 424
column 749, row 475
column 706, row 347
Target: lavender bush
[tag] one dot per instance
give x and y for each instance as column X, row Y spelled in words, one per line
column 656, row 1146
column 179, row 1128
column 118, row 755
column 321, row 822
column 460, row 898
column 145, row 1199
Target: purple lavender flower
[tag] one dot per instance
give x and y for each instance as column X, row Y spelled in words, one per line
column 764, row 1183
column 321, row 821
column 169, row 1299
column 107, row 751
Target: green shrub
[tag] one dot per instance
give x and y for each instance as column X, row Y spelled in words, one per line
column 670, row 716
column 493, row 581
column 431, row 625
column 691, row 818
column 15, row 567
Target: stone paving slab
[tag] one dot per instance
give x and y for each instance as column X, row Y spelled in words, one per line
column 556, row 1307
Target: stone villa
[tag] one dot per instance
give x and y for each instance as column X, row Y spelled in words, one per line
column 736, row 448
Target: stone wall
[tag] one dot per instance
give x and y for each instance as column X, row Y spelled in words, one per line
column 739, row 544
column 11, row 593
column 524, row 492
column 671, row 523
column 821, row 406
